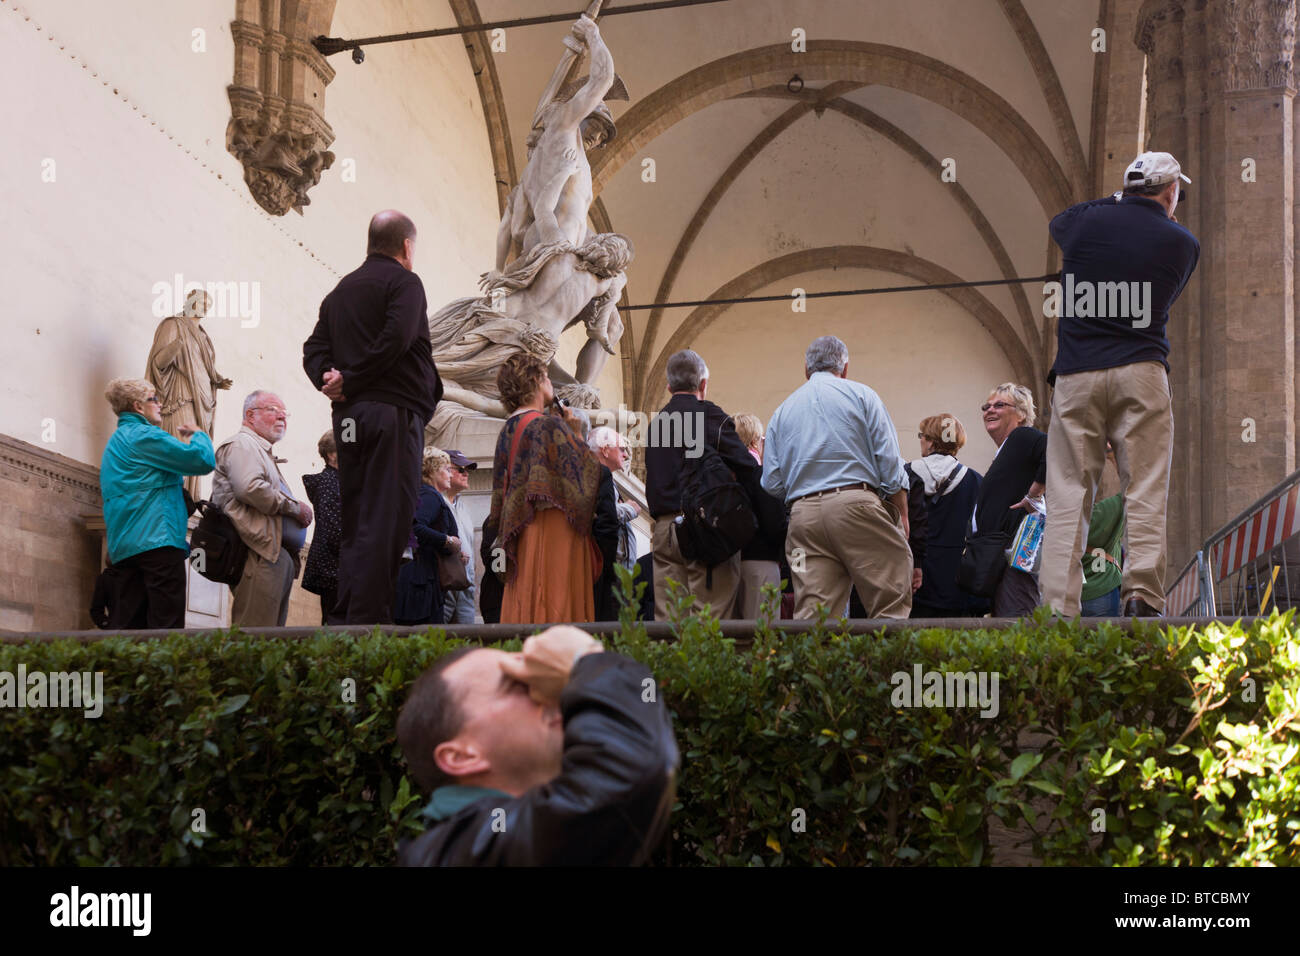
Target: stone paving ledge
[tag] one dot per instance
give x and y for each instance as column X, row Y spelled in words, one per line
column 741, row 631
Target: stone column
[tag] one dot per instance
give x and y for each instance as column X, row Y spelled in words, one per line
column 1220, row 91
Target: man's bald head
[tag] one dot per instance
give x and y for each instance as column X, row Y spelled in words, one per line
column 389, row 231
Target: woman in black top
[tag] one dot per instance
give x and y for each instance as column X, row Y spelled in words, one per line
column 321, row 576
column 419, row 591
column 1014, row 482
column 950, row 491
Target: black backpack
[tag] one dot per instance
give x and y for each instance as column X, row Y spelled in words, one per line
column 717, row 515
column 216, row 549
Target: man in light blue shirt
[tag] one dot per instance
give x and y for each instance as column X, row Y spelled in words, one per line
column 832, row 454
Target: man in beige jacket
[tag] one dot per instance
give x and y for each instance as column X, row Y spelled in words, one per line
column 248, row 486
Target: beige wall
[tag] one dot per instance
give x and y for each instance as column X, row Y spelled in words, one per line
column 145, row 189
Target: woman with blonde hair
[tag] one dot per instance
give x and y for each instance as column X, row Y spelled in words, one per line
column 140, row 482
column 419, row 593
column 1013, row 486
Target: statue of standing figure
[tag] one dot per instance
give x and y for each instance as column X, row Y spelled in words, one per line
column 182, row 369
column 551, row 270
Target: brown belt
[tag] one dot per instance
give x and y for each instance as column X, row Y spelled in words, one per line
column 832, row 491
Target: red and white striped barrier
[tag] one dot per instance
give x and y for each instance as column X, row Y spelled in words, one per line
column 1259, row 532
column 1186, row 591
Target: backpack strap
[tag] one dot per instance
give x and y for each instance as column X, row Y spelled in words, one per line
column 524, row 419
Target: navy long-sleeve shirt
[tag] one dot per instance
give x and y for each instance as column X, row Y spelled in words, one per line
column 1110, row 249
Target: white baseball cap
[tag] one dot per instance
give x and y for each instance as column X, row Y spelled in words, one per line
column 1153, row 169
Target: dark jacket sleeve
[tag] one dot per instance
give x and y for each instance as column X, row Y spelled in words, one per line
column 1038, row 455
column 609, row 805
column 428, row 523
column 918, row 516
column 317, row 351
column 604, row 523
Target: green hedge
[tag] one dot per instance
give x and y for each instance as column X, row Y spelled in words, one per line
column 1182, row 742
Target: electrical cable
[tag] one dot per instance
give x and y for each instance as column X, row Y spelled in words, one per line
column 937, row 286
column 328, row 46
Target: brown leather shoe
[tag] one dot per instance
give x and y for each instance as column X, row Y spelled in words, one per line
column 1136, row 607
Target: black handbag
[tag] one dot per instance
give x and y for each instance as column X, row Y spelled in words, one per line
column 216, row 549
column 983, row 562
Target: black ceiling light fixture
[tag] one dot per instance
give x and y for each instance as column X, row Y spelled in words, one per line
column 328, row 46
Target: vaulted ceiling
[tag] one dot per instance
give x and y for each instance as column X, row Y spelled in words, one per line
column 771, row 164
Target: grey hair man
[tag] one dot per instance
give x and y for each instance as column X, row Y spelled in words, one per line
column 832, row 455
column 611, row 450
column 249, row 488
column 688, row 415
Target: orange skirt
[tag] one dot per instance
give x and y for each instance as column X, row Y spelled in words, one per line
column 554, row 574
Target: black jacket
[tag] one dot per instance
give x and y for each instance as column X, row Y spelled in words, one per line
column 604, row 530
column 665, row 454
column 419, row 592
column 610, row 804
column 948, row 523
column 322, row 571
column 374, row 328
column 1020, row 462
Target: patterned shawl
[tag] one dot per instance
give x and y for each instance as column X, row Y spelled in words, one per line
column 553, row 466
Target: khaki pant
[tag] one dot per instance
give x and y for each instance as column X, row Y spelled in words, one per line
column 753, row 576
column 847, row 539
column 1130, row 406
column 262, row 594
column 669, row 563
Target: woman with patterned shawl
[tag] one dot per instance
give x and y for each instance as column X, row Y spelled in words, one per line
column 544, row 484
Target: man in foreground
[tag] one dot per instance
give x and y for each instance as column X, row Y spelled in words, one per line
column 560, row 755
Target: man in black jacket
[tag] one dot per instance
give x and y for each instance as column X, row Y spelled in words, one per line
column 370, row 355
column 679, row 431
column 559, row 755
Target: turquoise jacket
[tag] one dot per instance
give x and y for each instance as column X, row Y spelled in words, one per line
column 140, row 482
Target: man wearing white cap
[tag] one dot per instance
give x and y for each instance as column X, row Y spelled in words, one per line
column 1125, row 261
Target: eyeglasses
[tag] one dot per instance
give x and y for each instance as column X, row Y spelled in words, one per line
column 463, row 471
column 279, row 412
column 154, row 399
column 998, row 405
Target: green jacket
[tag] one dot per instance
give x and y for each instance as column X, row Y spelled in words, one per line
column 1105, row 532
column 140, row 482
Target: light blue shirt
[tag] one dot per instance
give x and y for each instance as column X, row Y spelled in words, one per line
column 831, row 432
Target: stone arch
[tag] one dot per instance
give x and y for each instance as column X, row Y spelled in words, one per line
column 849, row 61
column 484, row 65
column 828, row 99
column 831, row 257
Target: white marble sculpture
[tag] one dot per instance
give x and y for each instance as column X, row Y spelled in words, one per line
column 551, row 270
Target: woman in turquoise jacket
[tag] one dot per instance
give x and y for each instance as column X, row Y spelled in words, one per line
column 144, row 507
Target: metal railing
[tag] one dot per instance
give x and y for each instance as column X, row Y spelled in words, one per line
column 1244, row 567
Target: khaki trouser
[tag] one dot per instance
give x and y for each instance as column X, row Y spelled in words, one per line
column 753, row 576
column 262, row 594
column 846, row 539
column 1130, row 406
column 669, row 563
